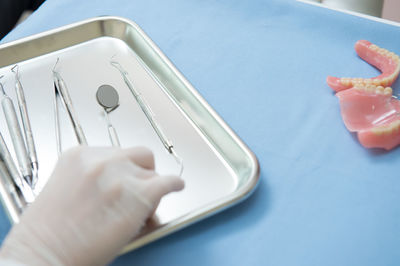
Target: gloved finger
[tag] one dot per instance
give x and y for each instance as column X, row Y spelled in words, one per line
column 141, row 156
column 162, row 185
column 130, row 169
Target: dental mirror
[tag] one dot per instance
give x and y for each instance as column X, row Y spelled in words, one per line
column 108, row 98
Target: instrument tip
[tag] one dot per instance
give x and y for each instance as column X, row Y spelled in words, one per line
column 2, row 87
column 178, row 159
column 35, row 173
column 55, row 65
column 13, row 69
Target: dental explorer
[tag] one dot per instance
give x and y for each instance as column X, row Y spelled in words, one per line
column 149, row 114
column 66, row 99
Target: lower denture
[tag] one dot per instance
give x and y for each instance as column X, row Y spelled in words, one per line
column 386, row 136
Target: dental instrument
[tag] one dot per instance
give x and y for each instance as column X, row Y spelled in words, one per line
column 57, row 121
column 12, row 172
column 149, row 114
column 62, row 89
column 108, row 98
column 10, row 196
column 16, row 136
column 26, row 125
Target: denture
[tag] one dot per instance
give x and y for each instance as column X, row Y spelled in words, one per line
column 387, row 62
column 367, row 105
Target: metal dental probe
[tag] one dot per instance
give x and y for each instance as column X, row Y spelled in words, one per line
column 16, row 136
column 150, row 116
column 26, row 124
column 6, row 157
column 66, row 99
column 9, row 194
column 57, row 121
column 108, row 98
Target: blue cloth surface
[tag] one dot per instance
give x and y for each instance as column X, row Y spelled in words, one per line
column 323, row 199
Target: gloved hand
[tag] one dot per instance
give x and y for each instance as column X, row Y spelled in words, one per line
column 95, row 202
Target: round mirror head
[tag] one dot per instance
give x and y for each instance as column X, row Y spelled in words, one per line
column 107, row 97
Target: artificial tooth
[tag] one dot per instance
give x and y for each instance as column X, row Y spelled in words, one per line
column 387, row 91
column 370, row 88
column 359, row 86
column 387, row 129
column 373, row 47
column 394, row 127
column 377, row 131
column 345, row 81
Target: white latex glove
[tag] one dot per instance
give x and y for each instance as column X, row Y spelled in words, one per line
column 95, row 202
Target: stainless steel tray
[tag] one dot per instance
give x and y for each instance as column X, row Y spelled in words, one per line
column 219, row 169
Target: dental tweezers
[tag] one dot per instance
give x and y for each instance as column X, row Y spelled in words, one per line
column 150, row 115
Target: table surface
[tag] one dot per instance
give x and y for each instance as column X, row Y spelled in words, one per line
column 323, row 199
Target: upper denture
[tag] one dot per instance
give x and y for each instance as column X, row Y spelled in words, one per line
column 387, row 62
